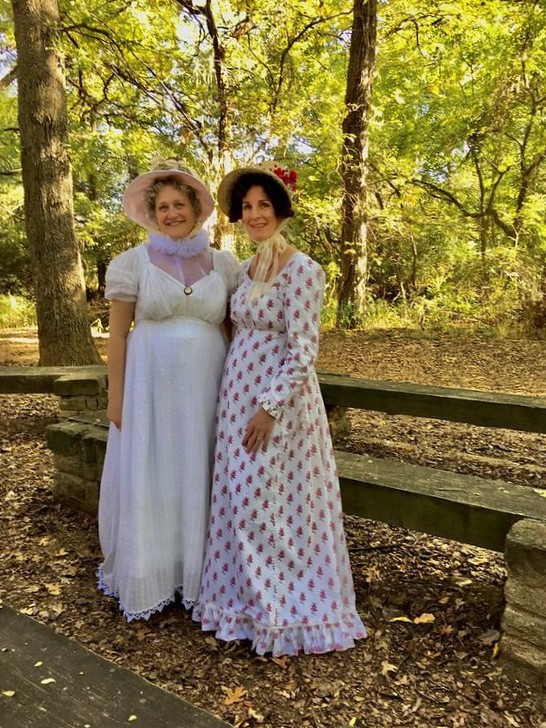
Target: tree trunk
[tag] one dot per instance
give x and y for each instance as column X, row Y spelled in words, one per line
column 354, row 162
column 63, row 329
column 223, row 231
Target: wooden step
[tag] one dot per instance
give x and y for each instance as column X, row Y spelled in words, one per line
column 60, row 684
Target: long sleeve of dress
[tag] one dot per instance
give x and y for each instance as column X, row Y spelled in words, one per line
column 302, row 307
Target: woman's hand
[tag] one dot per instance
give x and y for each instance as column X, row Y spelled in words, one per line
column 258, row 432
column 113, row 413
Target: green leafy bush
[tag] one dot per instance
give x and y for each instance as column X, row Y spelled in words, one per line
column 16, row 312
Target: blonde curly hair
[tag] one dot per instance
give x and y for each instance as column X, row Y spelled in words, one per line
column 150, row 196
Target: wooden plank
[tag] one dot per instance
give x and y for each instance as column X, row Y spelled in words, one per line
column 488, row 409
column 87, row 689
column 459, row 507
column 39, row 380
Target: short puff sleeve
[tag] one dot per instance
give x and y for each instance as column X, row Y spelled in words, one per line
column 122, row 276
column 227, row 265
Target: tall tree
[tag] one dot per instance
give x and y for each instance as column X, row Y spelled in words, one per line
column 63, row 329
column 354, row 163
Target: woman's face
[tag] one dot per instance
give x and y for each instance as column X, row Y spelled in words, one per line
column 258, row 216
column 174, row 213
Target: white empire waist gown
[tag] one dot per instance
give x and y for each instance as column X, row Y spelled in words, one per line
column 155, row 489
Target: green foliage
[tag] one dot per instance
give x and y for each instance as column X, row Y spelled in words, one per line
column 457, row 140
column 457, row 180
column 14, row 263
column 16, row 312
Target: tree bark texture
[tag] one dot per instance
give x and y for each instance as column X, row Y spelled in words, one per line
column 354, row 162
column 63, row 328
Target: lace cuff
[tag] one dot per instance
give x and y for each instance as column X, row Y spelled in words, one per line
column 272, row 409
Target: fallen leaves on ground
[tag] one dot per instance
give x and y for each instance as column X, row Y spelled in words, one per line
column 440, row 672
column 234, row 695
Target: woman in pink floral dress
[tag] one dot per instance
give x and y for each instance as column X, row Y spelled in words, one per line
column 276, row 568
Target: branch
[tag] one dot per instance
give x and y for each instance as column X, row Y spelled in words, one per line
column 474, row 153
column 284, row 57
column 374, row 168
column 99, row 34
column 440, row 194
column 219, row 57
column 9, row 78
column 509, row 230
column 496, row 183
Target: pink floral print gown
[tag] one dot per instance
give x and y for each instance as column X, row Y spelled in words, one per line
column 276, row 568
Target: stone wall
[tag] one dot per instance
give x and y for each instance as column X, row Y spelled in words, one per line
column 523, row 643
column 79, row 393
column 78, row 447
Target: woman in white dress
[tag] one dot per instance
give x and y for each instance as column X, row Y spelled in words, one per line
column 163, row 378
column 276, row 568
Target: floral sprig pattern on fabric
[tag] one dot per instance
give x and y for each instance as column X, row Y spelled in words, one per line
column 288, row 176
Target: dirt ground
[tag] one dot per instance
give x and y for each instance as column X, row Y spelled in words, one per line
column 440, row 671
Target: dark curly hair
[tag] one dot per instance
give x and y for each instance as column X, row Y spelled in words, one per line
column 279, row 197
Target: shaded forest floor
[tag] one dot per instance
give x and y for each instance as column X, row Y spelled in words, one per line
column 439, row 673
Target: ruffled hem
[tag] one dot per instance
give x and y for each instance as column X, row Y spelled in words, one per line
column 146, row 613
column 311, row 639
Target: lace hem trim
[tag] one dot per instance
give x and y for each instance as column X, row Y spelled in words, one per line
column 311, row 639
column 146, row 613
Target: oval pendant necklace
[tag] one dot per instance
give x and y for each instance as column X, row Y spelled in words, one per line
column 188, row 290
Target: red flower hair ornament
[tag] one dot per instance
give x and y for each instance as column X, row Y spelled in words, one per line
column 288, row 176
